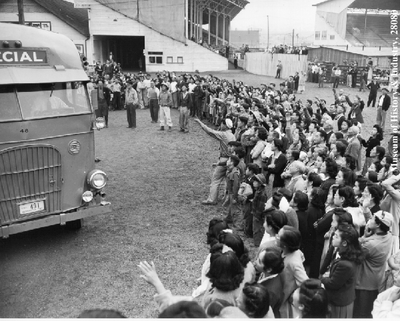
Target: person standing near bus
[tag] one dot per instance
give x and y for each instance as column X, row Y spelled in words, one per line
column 165, row 102
column 103, row 100
column 131, row 102
column 152, row 95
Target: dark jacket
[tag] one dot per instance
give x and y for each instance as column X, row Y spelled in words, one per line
column 302, row 217
column 314, row 213
column 340, row 285
column 357, row 109
column 370, row 144
column 373, row 88
column 280, row 164
column 274, row 288
column 184, row 102
column 386, row 102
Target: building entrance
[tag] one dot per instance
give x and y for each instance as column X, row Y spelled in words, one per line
column 127, row 50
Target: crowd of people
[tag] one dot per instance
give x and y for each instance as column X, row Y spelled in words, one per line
column 285, row 49
column 324, row 219
column 325, row 224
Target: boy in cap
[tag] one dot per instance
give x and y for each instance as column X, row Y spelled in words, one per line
column 224, row 135
column 251, row 171
column 165, row 102
column 377, row 244
column 232, row 188
column 260, row 198
column 131, row 101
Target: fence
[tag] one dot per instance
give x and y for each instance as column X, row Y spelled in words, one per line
column 264, row 63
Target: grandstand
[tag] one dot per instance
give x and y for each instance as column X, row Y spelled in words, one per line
column 146, row 35
column 363, row 23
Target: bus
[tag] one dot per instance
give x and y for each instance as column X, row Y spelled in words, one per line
column 47, row 150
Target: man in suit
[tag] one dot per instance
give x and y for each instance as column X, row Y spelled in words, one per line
column 383, row 106
column 373, row 90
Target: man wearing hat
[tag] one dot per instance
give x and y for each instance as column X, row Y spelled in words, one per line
column 131, row 101
column 373, row 87
column 224, row 136
column 383, row 106
column 165, row 103
column 377, row 244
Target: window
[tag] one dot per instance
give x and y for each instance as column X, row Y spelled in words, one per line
column 52, row 100
column 324, row 34
column 155, row 57
column 332, row 37
column 317, row 35
column 8, row 103
column 170, row 60
column 180, row 60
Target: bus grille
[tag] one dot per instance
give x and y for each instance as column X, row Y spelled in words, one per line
column 29, row 174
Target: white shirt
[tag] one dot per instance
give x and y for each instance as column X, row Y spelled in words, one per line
column 191, row 87
column 173, row 86
column 381, row 101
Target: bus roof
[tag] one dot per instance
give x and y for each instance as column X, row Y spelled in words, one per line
column 32, row 55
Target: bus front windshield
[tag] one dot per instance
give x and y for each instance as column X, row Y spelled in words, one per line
column 52, row 100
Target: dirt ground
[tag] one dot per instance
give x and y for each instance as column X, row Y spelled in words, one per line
column 157, row 181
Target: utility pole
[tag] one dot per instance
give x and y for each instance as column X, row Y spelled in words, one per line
column 21, row 17
column 137, row 10
column 268, row 33
column 293, row 38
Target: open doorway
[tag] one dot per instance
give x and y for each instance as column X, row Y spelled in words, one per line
column 127, row 50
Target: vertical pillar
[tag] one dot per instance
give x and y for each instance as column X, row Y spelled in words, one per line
column 187, row 19
column 223, row 29
column 191, row 17
column 196, row 16
column 201, row 22
column 209, row 26
column 216, row 28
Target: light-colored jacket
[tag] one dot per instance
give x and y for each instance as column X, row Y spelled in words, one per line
column 385, row 309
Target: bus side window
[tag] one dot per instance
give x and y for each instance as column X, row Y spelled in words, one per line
column 9, row 109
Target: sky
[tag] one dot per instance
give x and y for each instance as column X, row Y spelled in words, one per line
column 283, row 16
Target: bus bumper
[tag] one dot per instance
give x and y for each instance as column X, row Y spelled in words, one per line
column 62, row 219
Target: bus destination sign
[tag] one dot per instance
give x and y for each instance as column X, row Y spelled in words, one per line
column 12, row 56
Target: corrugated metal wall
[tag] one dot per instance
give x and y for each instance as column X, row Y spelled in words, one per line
column 328, row 54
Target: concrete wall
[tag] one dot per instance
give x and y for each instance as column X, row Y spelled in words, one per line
column 35, row 13
column 104, row 21
column 262, row 63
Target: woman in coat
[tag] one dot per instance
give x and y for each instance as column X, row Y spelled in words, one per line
column 275, row 167
column 340, row 284
column 293, row 274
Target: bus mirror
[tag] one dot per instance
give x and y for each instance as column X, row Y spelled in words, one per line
column 100, row 123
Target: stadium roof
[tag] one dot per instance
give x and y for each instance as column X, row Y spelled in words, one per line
column 364, row 51
column 230, row 7
column 371, row 4
column 74, row 17
column 374, row 4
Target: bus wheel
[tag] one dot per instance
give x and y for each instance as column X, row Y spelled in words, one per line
column 74, row 225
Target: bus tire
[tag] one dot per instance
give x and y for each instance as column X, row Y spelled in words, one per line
column 74, row 225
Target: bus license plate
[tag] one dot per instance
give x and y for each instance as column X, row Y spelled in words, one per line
column 32, row 207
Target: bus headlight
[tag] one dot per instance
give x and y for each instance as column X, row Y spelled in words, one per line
column 97, row 179
column 87, row 196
